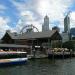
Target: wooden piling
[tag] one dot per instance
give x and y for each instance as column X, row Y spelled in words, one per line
column 53, row 55
column 70, row 53
column 63, row 54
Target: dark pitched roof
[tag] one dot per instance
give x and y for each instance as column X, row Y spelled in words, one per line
column 32, row 35
column 13, row 35
column 37, row 35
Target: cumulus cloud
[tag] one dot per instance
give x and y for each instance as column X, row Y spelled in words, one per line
column 2, row 8
column 72, row 19
column 55, row 9
column 29, row 11
column 4, row 25
column 27, row 19
column 26, row 16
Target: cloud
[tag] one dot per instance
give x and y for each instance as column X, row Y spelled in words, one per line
column 33, row 11
column 26, row 16
column 24, row 5
column 2, row 8
column 55, row 9
column 4, row 21
column 4, row 25
column 72, row 19
column 27, row 19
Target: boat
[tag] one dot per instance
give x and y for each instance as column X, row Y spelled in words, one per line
column 12, row 54
column 12, row 57
column 13, row 61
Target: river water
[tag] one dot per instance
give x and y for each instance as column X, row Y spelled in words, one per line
column 42, row 67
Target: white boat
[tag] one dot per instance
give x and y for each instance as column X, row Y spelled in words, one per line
column 13, row 61
column 12, row 54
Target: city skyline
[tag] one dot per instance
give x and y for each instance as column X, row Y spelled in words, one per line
column 14, row 14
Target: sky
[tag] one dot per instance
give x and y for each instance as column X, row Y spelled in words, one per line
column 15, row 14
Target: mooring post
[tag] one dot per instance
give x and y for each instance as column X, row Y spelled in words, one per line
column 63, row 53
column 70, row 53
column 53, row 54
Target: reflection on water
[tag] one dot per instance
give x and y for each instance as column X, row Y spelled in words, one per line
column 42, row 67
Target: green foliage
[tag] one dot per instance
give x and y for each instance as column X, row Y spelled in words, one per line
column 56, row 44
column 69, row 44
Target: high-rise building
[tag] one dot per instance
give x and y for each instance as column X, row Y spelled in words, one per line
column 72, row 33
column 67, row 24
column 45, row 26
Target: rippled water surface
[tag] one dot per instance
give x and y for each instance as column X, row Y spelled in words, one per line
column 42, row 67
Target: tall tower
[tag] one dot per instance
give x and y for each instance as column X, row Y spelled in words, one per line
column 45, row 26
column 67, row 24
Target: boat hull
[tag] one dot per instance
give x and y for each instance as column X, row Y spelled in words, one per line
column 14, row 62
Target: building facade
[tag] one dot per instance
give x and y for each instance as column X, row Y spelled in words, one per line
column 30, row 39
column 45, row 26
column 67, row 24
column 72, row 33
column 44, row 39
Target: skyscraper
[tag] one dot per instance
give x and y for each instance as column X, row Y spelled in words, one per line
column 45, row 26
column 67, row 24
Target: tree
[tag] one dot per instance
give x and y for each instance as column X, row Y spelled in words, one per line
column 68, row 44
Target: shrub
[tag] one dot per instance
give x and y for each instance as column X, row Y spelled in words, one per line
column 69, row 45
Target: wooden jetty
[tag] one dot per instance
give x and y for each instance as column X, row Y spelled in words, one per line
column 60, row 53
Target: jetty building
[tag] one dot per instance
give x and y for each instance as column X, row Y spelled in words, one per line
column 30, row 39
